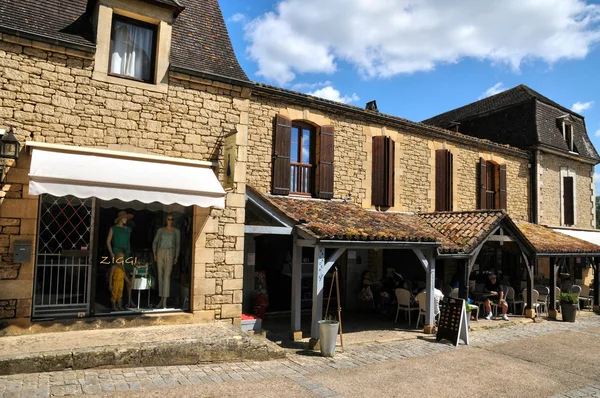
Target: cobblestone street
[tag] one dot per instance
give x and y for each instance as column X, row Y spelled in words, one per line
column 298, row 370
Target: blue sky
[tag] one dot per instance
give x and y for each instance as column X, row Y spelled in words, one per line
column 418, row 59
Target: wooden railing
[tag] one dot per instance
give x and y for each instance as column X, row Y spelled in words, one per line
column 301, row 178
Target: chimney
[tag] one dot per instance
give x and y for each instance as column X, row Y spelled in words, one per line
column 454, row 126
column 372, row 106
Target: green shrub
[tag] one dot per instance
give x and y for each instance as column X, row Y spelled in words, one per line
column 568, row 298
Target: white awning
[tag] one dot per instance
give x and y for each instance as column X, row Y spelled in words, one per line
column 84, row 172
column 589, row 235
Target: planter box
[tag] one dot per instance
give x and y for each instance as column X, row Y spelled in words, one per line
column 568, row 311
column 250, row 323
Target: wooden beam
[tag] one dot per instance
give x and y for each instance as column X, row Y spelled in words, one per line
column 500, row 238
column 422, row 258
column 306, row 243
column 262, row 229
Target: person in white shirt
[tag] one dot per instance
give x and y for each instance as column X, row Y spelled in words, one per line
column 437, row 297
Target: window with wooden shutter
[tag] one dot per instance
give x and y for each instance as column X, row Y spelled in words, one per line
column 502, row 187
column 482, row 191
column 281, row 156
column 443, row 180
column 382, row 185
column 568, row 203
column 326, row 162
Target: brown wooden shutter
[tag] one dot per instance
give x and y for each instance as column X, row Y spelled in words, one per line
column 481, row 192
column 502, row 189
column 568, row 210
column 443, row 180
column 382, row 187
column 326, row 163
column 281, row 156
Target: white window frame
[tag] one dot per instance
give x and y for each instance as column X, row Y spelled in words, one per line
column 568, row 172
column 568, row 123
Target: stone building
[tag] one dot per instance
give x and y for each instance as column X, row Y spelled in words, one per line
column 120, row 106
column 136, row 113
column 562, row 156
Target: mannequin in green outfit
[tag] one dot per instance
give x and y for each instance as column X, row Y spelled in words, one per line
column 117, row 241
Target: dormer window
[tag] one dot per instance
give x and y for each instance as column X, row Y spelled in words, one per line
column 565, row 123
column 132, row 49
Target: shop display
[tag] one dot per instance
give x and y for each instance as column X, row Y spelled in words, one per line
column 118, row 241
column 116, row 279
column 165, row 247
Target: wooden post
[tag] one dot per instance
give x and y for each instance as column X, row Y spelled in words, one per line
column 552, row 312
column 463, row 285
column 595, row 266
column 317, row 295
column 430, row 286
column 296, row 328
column 530, row 312
column 339, row 306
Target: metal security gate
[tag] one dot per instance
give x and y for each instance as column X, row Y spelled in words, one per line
column 63, row 271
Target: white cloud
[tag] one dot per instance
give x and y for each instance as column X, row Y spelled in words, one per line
column 597, row 183
column 332, row 94
column 597, row 133
column 239, row 17
column 495, row 89
column 579, row 107
column 390, row 37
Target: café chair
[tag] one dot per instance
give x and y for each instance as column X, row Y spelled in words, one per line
column 511, row 300
column 535, row 296
column 586, row 297
column 403, row 298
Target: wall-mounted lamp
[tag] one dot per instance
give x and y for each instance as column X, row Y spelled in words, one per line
column 9, row 149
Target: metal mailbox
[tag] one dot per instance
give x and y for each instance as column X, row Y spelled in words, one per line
column 22, row 251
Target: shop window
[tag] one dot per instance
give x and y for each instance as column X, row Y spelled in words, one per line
column 132, row 49
column 74, row 262
column 302, row 159
column 492, row 185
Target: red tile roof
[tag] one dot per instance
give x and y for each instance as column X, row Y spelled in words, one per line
column 546, row 240
column 338, row 220
column 464, row 229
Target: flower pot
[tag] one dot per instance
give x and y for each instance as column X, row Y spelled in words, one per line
column 568, row 311
column 328, row 331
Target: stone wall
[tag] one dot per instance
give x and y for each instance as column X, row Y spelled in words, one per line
column 49, row 95
column 414, row 159
column 550, row 196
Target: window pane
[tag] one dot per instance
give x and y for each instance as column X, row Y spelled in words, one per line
column 294, row 148
column 306, row 146
column 131, row 50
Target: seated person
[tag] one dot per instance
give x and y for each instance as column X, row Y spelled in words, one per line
column 437, row 297
column 494, row 288
column 408, row 286
column 366, row 288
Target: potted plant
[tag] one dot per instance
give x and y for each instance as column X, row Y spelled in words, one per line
column 468, row 309
column 568, row 306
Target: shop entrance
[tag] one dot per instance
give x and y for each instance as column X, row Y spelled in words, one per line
column 73, row 261
column 63, row 258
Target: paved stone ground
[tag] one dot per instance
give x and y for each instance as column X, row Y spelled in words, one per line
column 296, row 368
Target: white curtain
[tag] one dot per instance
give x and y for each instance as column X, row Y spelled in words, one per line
column 131, row 50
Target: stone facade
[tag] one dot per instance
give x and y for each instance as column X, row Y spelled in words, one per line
column 550, row 195
column 414, row 158
column 48, row 93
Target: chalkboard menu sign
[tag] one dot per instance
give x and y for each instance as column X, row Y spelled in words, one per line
column 453, row 322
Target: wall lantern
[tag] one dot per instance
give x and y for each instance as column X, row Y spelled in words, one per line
column 9, row 145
